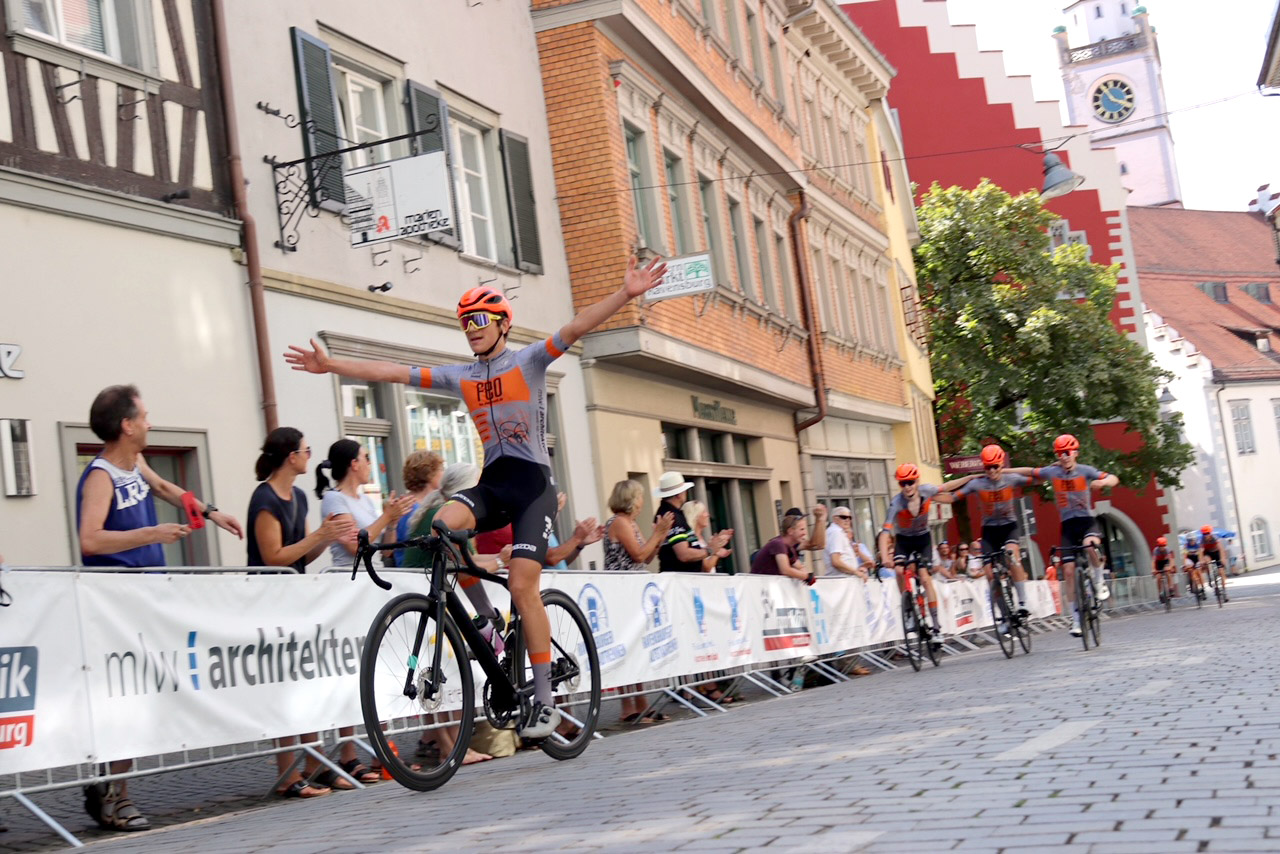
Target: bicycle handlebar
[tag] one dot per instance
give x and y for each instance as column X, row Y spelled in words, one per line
column 365, row 549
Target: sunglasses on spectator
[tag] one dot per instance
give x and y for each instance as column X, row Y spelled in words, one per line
column 842, row 516
column 478, row 320
column 906, row 483
column 994, row 468
column 962, row 548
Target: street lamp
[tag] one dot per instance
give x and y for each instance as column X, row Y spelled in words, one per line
column 1058, row 179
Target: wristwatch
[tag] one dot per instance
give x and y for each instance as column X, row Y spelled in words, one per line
column 208, row 508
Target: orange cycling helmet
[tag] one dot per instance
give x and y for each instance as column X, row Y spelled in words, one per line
column 484, row 299
column 1161, row 541
column 1066, row 442
column 1206, row 530
column 993, row 455
column 907, row 471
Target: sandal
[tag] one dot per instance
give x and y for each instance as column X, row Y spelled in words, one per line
column 330, row 780
column 360, row 771
column 119, row 813
column 634, row 718
column 656, row 717
column 302, row 789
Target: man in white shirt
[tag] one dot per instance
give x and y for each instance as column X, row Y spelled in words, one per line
column 843, row 554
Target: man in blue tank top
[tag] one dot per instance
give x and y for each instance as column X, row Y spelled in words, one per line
column 116, row 520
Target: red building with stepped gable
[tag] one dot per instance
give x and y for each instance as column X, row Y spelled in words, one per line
column 962, row 119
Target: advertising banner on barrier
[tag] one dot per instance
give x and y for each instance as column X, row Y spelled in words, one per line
column 43, row 706
column 190, row 661
column 102, row 666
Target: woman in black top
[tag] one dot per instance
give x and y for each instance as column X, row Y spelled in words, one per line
column 278, row 536
column 277, row 521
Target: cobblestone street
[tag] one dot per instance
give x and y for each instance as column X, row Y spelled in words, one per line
column 1163, row 740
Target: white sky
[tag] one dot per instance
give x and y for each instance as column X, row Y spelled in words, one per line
column 1208, row 51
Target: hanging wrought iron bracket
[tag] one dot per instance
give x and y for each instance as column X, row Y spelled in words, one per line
column 300, row 184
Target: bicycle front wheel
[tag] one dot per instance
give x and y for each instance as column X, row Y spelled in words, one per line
column 1094, row 626
column 912, row 631
column 1003, row 614
column 1084, row 603
column 1219, row 586
column 417, row 693
column 575, row 676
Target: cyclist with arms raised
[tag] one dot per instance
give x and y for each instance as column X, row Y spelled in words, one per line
column 998, row 491
column 1210, row 551
column 505, row 390
column 1072, row 482
column 906, row 530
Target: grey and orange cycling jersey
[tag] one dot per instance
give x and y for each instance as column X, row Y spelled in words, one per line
column 901, row 521
column 507, row 397
column 1071, row 488
column 996, row 497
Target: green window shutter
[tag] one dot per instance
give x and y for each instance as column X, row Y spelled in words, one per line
column 521, row 203
column 428, row 112
column 319, row 110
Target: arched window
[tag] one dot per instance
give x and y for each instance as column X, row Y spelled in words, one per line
column 1260, row 533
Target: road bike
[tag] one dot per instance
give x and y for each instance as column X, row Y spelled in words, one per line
column 920, row 637
column 1164, row 587
column 1087, row 604
column 1215, row 579
column 1195, row 586
column 417, row 670
column 1017, row 621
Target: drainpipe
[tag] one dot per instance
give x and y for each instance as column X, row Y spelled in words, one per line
column 1231, row 474
column 810, row 318
column 249, row 234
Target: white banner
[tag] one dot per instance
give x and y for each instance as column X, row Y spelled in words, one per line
column 43, row 706
column 101, row 666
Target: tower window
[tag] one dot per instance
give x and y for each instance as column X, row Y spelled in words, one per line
column 1123, row 10
column 1097, row 11
column 1124, row 169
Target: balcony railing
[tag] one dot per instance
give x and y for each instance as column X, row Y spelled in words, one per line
column 1107, row 47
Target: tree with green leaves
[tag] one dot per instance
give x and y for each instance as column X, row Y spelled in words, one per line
column 1022, row 343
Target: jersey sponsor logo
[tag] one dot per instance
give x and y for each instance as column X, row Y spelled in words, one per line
column 131, row 493
column 509, row 387
column 524, row 547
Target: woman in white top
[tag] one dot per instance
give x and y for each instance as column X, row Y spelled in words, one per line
column 349, row 462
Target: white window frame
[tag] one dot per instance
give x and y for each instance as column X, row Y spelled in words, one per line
column 712, row 227
column 786, row 279
column 768, row 288
column 741, row 249
column 640, row 178
column 348, row 79
column 466, row 212
column 1275, row 411
column 677, row 194
column 57, row 18
column 1260, row 535
column 1242, row 427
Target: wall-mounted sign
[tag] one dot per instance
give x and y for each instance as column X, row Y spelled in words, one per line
column 713, row 411
column 9, row 354
column 686, row 275
column 400, row 198
column 963, row 465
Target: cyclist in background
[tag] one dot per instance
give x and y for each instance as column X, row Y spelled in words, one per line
column 1072, row 484
column 998, row 491
column 1165, row 572
column 1211, row 550
column 505, row 390
column 906, row 529
column 1191, row 560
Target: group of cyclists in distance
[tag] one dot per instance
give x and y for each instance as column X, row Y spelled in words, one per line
column 505, row 391
column 1201, row 560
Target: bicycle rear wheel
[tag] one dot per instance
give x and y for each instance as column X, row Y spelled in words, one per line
column 1003, row 614
column 912, row 631
column 417, row 716
column 575, row 676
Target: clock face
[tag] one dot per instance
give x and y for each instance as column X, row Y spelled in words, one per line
column 1113, row 101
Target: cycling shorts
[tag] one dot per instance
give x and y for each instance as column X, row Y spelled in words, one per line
column 1163, row 566
column 905, row 545
column 519, row 493
column 1076, row 530
column 1213, row 554
column 996, row 537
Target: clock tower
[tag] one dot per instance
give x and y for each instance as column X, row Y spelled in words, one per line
column 1110, row 62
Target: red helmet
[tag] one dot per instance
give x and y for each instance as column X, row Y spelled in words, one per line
column 1206, row 530
column 1161, row 541
column 993, row 455
column 907, row 471
column 1066, row 442
column 484, row 299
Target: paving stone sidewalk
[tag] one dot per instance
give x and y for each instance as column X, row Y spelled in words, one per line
column 1163, row 740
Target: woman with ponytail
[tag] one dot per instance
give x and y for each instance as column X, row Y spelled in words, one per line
column 278, row 534
column 349, row 462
